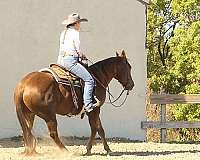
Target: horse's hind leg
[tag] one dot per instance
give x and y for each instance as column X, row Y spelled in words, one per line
column 32, row 141
column 26, row 119
column 52, row 126
column 102, row 135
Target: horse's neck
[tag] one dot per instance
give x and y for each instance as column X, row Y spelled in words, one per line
column 104, row 71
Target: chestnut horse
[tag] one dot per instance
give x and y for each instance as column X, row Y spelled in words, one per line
column 39, row 94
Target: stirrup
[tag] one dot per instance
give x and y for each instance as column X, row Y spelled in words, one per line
column 88, row 109
column 84, row 109
column 97, row 104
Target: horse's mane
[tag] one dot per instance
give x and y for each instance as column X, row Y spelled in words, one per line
column 103, row 63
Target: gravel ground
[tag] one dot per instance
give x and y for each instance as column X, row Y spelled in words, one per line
column 122, row 149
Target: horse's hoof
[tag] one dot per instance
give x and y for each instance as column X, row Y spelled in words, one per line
column 34, row 153
column 109, row 152
column 29, row 153
column 22, row 153
column 87, row 154
column 64, row 150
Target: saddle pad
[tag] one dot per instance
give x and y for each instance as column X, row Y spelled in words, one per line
column 63, row 73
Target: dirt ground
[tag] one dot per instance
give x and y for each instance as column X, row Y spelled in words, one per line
column 10, row 149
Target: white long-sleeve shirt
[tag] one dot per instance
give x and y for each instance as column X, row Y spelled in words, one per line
column 69, row 42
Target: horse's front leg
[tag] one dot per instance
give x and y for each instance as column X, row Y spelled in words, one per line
column 92, row 117
column 102, row 135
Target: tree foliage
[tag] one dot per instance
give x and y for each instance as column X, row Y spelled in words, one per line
column 173, row 42
column 171, row 31
column 187, row 11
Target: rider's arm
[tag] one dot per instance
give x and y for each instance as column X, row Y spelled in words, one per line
column 76, row 41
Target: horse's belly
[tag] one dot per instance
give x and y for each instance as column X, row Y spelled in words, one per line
column 64, row 108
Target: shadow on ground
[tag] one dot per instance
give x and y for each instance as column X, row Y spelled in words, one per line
column 147, row 153
column 17, row 141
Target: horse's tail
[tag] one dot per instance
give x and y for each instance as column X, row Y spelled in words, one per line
column 29, row 140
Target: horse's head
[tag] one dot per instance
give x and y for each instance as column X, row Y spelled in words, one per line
column 123, row 73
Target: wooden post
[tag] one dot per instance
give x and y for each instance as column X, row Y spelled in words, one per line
column 163, row 131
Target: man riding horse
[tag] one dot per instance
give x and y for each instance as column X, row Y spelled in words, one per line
column 40, row 94
column 70, row 53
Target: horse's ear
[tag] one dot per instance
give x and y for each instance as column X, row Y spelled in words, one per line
column 117, row 54
column 123, row 54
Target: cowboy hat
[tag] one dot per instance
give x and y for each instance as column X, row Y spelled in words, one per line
column 73, row 18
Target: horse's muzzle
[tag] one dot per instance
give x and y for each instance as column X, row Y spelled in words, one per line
column 130, row 86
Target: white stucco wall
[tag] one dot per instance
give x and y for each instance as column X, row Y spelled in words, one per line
column 29, row 32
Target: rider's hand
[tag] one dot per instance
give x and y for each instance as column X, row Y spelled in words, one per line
column 83, row 57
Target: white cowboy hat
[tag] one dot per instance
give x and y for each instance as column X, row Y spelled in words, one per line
column 73, row 18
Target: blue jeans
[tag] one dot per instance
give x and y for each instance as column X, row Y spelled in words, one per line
column 71, row 64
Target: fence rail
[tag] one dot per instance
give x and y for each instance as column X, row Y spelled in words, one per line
column 174, row 99
column 163, row 100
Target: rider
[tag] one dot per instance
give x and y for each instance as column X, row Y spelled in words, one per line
column 69, row 54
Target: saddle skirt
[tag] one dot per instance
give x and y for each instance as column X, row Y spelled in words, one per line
column 65, row 77
column 62, row 75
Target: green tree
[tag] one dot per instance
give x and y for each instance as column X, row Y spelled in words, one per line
column 173, row 42
column 160, row 27
column 165, row 21
column 186, row 69
column 187, row 11
column 185, row 60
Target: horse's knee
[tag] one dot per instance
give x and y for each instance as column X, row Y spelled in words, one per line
column 52, row 126
column 53, row 135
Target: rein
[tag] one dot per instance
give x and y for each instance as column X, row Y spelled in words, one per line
column 110, row 95
column 112, row 102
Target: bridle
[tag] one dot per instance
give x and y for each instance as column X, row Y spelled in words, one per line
column 109, row 93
